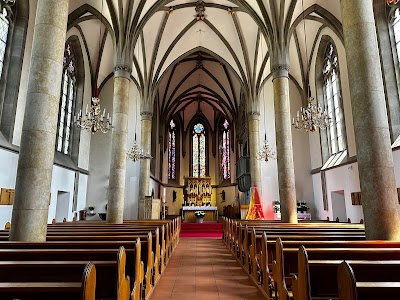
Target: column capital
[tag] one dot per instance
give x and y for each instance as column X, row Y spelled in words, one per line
column 146, row 115
column 281, row 70
column 122, row 71
column 253, row 115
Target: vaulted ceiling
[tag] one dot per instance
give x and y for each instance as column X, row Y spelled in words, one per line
column 213, row 51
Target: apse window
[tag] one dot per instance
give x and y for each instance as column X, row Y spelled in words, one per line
column 199, row 151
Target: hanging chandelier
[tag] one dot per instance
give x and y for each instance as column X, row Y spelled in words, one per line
column 94, row 120
column 312, row 117
column 135, row 153
column 265, row 153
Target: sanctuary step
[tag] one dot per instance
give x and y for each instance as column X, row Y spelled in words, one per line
column 206, row 229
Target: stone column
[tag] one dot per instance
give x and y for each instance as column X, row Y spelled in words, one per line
column 374, row 153
column 254, row 142
column 284, row 148
column 116, row 196
column 36, row 157
column 144, row 183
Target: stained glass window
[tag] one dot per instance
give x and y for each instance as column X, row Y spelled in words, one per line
column 333, row 104
column 199, row 151
column 68, row 92
column 4, row 27
column 172, row 151
column 225, row 153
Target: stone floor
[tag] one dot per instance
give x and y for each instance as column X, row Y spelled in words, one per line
column 204, row 269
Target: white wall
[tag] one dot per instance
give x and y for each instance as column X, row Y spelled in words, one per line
column 62, row 180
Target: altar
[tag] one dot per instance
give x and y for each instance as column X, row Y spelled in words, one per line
column 211, row 213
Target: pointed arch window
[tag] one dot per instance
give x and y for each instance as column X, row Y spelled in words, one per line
column 333, row 101
column 225, row 152
column 67, row 103
column 199, row 151
column 396, row 30
column 172, row 151
column 4, row 28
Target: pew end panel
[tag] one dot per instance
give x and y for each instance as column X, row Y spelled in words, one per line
column 346, row 282
column 123, row 280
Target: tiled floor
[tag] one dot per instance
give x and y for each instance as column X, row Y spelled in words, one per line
column 204, row 269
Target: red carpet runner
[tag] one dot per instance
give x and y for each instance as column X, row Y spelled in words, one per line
column 206, row 229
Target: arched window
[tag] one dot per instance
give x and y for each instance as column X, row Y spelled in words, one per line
column 199, row 150
column 396, row 30
column 172, row 151
column 4, row 27
column 333, row 102
column 225, row 152
column 68, row 94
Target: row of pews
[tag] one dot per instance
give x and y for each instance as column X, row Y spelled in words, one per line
column 315, row 260
column 88, row 260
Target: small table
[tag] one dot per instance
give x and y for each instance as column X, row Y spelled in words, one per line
column 188, row 213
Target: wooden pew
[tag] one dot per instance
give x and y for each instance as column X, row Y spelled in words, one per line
column 84, row 289
column 153, row 254
column 352, row 289
column 319, row 256
column 111, row 265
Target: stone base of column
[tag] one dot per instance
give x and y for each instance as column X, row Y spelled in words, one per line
column 32, row 225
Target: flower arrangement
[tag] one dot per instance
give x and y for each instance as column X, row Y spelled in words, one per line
column 199, row 214
column 302, row 206
column 277, row 206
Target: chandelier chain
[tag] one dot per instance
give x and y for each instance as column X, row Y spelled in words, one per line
column 313, row 116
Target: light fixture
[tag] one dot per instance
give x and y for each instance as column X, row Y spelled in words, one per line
column 313, row 116
column 135, row 152
column 265, row 153
column 94, row 120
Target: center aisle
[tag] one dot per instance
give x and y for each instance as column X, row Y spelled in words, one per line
column 204, row 269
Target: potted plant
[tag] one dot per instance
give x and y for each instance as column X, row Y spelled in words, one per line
column 199, row 215
column 91, row 211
